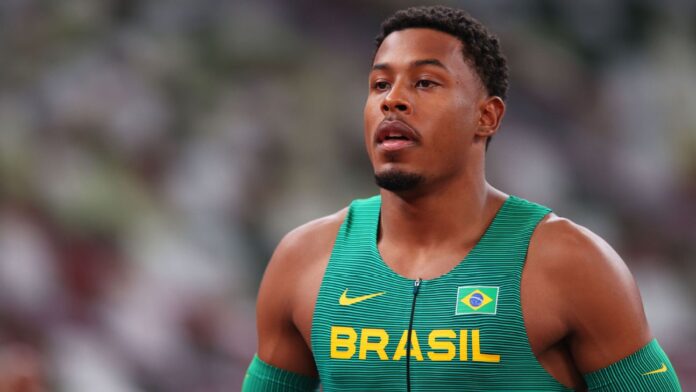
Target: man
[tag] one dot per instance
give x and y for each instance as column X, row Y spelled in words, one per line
column 443, row 282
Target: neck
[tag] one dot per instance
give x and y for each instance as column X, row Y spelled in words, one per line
column 455, row 213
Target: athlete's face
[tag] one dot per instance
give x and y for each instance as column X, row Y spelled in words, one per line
column 425, row 107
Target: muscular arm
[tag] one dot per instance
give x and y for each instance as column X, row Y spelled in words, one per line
column 602, row 308
column 598, row 304
column 288, row 293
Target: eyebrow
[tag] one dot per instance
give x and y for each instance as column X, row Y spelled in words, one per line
column 414, row 64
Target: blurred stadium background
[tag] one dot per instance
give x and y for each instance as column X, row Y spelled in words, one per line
column 152, row 154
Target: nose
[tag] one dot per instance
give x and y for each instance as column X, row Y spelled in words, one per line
column 396, row 101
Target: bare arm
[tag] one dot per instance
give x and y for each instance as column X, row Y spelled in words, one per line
column 600, row 305
column 288, row 293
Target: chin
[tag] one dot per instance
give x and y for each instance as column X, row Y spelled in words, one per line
column 396, row 180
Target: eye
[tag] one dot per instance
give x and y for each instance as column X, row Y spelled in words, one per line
column 425, row 83
column 380, row 85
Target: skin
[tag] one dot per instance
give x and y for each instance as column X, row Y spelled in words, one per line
column 581, row 306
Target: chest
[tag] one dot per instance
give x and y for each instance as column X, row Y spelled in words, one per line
column 464, row 328
column 536, row 305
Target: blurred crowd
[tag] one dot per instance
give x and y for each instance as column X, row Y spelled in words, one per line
column 153, row 153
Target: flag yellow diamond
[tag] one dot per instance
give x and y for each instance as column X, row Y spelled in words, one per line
column 476, row 299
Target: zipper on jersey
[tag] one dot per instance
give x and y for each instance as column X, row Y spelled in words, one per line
column 416, row 287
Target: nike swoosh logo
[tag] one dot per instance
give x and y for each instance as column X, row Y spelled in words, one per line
column 660, row 370
column 345, row 301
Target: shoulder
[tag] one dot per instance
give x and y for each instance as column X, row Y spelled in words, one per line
column 574, row 253
column 307, row 244
column 595, row 294
column 298, row 262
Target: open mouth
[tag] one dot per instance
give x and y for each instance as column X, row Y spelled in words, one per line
column 395, row 135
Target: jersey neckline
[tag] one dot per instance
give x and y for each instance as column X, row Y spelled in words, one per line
column 509, row 201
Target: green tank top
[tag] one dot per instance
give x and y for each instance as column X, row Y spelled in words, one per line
column 467, row 330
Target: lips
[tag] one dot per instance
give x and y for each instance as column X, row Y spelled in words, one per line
column 395, row 135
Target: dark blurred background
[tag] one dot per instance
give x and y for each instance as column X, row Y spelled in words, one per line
column 153, row 153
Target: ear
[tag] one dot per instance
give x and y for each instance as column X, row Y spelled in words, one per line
column 491, row 111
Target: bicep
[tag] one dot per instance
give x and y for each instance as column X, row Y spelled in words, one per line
column 279, row 341
column 607, row 320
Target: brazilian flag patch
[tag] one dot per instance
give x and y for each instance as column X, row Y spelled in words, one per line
column 477, row 300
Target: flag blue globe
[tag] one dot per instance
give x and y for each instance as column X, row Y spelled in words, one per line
column 476, row 299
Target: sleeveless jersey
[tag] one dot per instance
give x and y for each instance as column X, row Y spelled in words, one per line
column 467, row 330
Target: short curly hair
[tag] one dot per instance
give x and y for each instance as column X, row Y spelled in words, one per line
column 480, row 47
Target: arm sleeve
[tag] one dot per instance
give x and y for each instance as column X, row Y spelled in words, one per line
column 648, row 369
column 262, row 377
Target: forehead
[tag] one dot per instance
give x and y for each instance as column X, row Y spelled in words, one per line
column 406, row 46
